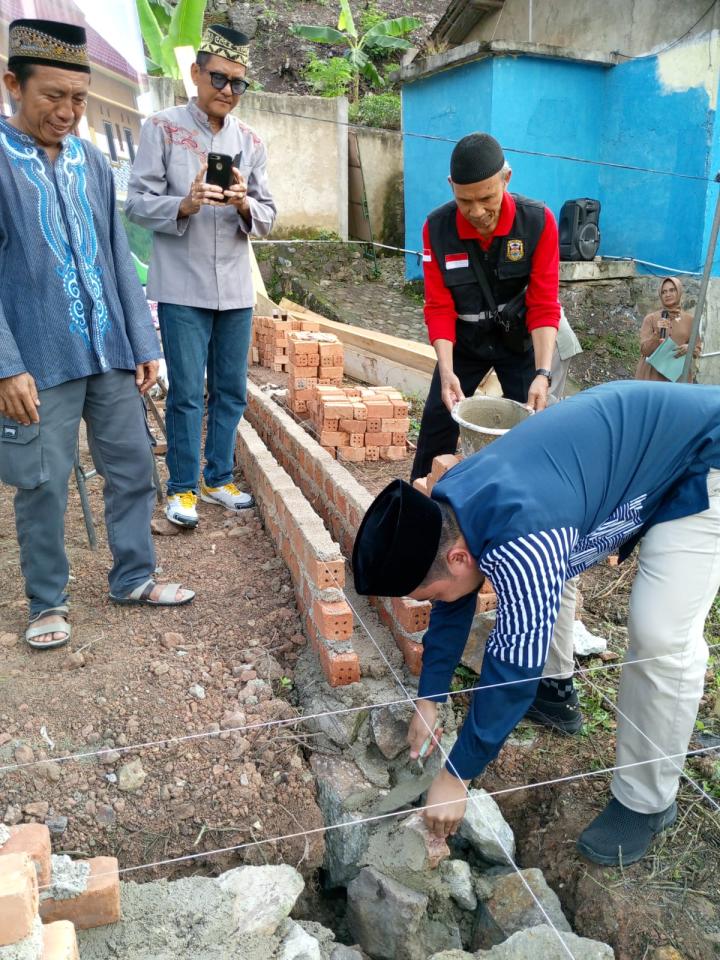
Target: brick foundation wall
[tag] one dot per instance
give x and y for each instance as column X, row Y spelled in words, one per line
column 315, row 561
column 340, row 500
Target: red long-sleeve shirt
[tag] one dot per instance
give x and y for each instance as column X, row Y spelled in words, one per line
column 543, row 305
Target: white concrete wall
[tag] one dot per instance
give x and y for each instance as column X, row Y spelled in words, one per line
column 306, row 140
column 629, row 26
column 381, row 154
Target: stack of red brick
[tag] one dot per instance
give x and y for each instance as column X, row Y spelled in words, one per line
column 45, row 929
column 314, row 359
column 360, row 423
column 270, row 339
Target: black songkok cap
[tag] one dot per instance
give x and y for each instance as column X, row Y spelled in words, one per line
column 476, row 157
column 397, row 542
column 48, row 43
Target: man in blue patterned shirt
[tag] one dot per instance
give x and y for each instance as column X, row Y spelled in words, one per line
column 76, row 338
column 616, row 465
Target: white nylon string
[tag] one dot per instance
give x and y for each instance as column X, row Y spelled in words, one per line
column 250, row 727
column 386, row 816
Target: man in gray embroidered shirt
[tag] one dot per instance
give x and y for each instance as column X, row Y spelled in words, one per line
column 200, row 268
column 76, row 338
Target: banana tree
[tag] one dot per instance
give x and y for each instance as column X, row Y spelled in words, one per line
column 165, row 27
column 383, row 36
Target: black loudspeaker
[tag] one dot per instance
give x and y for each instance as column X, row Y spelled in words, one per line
column 579, row 229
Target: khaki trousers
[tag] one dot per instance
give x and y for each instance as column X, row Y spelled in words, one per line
column 677, row 581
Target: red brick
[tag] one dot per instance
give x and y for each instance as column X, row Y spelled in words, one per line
column 410, row 614
column 353, row 426
column 395, row 425
column 412, row 652
column 399, row 440
column 301, row 360
column 332, row 424
column 334, row 438
column 354, row 454
column 339, row 668
column 33, row 839
column 97, row 906
column 380, row 408
column 18, row 897
column 360, row 412
column 337, row 408
column 421, row 485
column 613, row 560
column 330, row 373
column 373, row 439
column 373, row 424
column 357, row 440
column 393, row 453
column 326, row 573
column 401, row 408
column 372, row 453
column 298, row 348
column 59, row 941
column 333, row 620
column 328, row 350
column 442, row 464
column 331, row 451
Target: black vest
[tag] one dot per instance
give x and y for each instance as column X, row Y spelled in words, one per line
column 506, row 263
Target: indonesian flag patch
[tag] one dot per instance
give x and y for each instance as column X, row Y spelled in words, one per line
column 427, row 255
column 456, row 261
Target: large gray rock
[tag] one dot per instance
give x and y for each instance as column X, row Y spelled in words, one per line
column 341, row 789
column 389, row 727
column 543, row 943
column 341, row 952
column 391, row 922
column 297, row 943
column 454, row 955
column 485, row 828
column 406, row 851
column 383, row 915
column 512, row 907
column 458, row 878
column 262, row 896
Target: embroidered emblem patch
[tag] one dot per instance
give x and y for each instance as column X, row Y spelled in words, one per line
column 515, row 250
column 456, row 261
column 9, row 433
column 427, row 255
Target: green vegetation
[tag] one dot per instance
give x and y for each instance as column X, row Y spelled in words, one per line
column 377, row 110
column 379, row 39
column 329, row 78
column 165, row 27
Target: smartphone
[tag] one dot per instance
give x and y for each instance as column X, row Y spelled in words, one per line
column 219, row 170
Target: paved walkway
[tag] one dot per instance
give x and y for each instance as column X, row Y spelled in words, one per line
column 380, row 304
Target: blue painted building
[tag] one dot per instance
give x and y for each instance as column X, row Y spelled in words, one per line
column 595, row 116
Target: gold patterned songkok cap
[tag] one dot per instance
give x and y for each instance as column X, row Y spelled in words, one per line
column 226, row 42
column 48, row 42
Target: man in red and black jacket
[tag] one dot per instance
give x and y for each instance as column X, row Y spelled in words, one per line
column 514, row 241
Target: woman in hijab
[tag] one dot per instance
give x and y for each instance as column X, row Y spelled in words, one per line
column 671, row 321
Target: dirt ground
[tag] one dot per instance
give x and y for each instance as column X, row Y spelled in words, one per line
column 134, row 674
column 128, row 675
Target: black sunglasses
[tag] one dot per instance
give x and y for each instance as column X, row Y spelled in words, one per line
column 219, row 81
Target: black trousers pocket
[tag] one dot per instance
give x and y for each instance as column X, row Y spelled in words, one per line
column 21, row 457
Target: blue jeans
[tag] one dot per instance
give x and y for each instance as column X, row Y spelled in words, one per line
column 194, row 338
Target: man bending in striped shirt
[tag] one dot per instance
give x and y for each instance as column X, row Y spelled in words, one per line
column 616, row 465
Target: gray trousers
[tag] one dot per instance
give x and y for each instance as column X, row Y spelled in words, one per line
column 38, row 460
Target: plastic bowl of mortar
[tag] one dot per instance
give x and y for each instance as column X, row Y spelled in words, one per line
column 484, row 419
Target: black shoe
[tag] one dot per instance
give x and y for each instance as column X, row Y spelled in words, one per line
column 556, row 705
column 619, row 835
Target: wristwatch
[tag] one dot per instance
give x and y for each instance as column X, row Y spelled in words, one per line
column 544, row 373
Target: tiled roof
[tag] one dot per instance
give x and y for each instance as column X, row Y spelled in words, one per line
column 99, row 50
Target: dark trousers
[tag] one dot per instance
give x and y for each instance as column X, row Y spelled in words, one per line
column 473, row 355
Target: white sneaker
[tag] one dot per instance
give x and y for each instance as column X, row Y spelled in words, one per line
column 228, row 496
column 180, row 509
